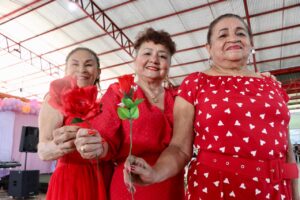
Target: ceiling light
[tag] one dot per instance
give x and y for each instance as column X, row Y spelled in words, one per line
column 72, row 5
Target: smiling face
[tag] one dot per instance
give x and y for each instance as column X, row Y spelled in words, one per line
column 230, row 43
column 152, row 62
column 83, row 65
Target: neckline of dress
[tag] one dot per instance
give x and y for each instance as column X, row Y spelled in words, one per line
column 234, row 76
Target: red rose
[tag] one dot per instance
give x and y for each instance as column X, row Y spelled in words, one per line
column 81, row 103
column 58, row 88
column 126, row 82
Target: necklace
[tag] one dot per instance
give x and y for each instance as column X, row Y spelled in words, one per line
column 155, row 98
column 150, row 95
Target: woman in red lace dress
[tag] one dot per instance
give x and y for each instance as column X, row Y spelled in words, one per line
column 237, row 122
column 74, row 177
column 152, row 131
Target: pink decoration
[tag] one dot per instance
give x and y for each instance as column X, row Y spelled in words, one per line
column 16, row 105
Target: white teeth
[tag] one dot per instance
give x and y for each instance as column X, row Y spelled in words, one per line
column 153, row 68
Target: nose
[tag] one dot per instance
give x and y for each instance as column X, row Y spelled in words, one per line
column 154, row 58
column 81, row 68
column 234, row 38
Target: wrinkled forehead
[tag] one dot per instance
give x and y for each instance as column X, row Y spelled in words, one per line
column 229, row 23
column 81, row 55
column 151, row 46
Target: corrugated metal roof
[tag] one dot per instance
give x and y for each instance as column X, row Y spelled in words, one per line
column 36, row 36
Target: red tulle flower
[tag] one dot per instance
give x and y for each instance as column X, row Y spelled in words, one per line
column 72, row 101
column 58, row 88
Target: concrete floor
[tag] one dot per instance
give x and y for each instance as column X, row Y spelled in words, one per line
column 4, row 196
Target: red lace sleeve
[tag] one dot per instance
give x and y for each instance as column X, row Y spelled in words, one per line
column 108, row 123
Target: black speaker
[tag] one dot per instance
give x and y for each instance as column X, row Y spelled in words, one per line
column 23, row 183
column 29, row 139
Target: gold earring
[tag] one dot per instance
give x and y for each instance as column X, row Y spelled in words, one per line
column 209, row 62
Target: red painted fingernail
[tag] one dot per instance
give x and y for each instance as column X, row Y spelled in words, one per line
column 132, row 168
column 92, row 132
column 103, row 140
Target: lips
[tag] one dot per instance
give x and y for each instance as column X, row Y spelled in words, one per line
column 82, row 77
column 234, row 47
column 153, row 68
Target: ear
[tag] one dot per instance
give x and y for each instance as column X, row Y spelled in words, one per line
column 208, row 49
column 134, row 64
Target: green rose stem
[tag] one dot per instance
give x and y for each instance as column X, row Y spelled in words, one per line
column 130, row 136
column 129, row 111
column 130, row 150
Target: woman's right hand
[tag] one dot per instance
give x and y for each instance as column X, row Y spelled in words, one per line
column 64, row 138
column 90, row 144
column 138, row 171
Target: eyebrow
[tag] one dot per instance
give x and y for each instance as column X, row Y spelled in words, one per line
column 160, row 51
column 75, row 60
column 238, row 28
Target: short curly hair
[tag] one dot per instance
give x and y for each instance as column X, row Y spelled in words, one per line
column 158, row 37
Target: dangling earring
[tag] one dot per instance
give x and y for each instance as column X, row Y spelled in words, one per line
column 249, row 59
column 252, row 52
column 97, row 83
column 165, row 82
column 209, row 62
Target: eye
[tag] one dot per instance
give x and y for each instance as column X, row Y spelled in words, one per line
column 241, row 34
column 163, row 56
column 147, row 53
column 89, row 65
column 222, row 36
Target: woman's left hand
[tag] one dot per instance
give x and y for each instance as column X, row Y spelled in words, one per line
column 137, row 171
column 268, row 74
column 89, row 143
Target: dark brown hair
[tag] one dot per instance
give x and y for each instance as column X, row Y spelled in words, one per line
column 158, row 37
column 228, row 15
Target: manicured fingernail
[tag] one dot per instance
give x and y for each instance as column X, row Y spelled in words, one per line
column 103, row 140
column 92, row 132
column 132, row 168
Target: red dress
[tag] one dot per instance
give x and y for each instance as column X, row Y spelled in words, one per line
column 152, row 132
column 76, row 178
column 237, row 117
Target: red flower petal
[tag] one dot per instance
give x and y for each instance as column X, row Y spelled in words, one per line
column 72, row 101
column 59, row 87
column 126, row 82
